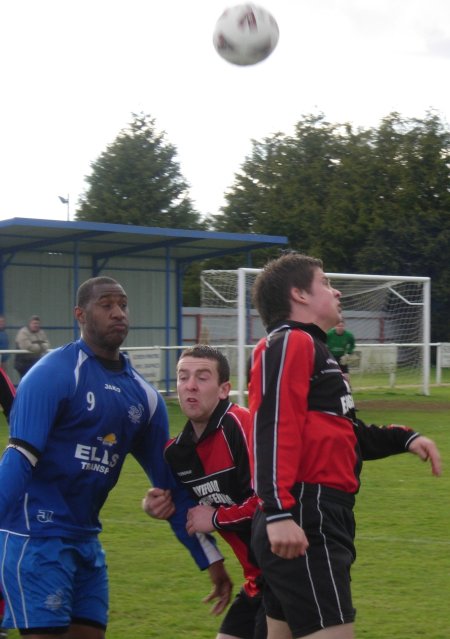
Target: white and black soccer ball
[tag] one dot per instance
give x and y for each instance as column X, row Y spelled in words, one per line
column 245, row 34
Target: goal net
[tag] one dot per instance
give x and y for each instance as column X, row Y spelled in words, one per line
column 388, row 315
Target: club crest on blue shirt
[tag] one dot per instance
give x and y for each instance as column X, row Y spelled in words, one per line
column 135, row 413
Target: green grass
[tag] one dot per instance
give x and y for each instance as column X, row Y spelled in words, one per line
column 403, row 566
column 403, row 378
column 401, row 576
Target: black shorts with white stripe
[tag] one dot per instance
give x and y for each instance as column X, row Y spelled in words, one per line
column 311, row 592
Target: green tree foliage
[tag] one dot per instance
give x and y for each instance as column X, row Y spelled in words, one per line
column 364, row 200
column 137, row 180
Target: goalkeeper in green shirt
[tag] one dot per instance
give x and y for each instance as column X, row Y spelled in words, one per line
column 342, row 344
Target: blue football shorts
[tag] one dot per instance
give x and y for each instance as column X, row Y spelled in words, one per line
column 51, row 582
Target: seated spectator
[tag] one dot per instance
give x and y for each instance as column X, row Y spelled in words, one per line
column 33, row 339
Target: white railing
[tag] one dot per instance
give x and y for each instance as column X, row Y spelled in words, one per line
column 165, row 377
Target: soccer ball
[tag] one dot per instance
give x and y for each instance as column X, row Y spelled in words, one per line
column 245, row 34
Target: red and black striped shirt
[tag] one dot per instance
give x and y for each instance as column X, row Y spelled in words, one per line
column 304, row 426
column 216, row 471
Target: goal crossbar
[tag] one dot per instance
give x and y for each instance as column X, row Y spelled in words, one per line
column 424, row 345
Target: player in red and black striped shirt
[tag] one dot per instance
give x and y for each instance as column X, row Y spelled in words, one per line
column 307, row 448
column 210, row 458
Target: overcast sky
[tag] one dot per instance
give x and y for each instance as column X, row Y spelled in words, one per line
column 73, row 72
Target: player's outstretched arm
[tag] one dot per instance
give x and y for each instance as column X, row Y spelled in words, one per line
column 158, row 503
column 149, row 452
column 427, row 450
column 223, row 587
column 15, row 473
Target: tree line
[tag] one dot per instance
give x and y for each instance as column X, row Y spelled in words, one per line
column 365, row 200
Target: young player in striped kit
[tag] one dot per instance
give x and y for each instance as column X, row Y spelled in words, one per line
column 307, row 448
column 210, row 458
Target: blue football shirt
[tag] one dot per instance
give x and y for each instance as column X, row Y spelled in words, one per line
column 75, row 421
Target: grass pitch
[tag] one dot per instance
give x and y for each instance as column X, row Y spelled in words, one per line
column 401, row 578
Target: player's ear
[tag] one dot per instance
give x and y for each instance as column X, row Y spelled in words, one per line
column 298, row 295
column 224, row 390
column 79, row 314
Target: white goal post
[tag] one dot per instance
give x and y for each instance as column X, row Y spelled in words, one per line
column 389, row 316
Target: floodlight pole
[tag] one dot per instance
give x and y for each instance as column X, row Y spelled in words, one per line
column 65, row 200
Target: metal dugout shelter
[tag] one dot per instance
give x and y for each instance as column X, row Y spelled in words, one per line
column 42, row 263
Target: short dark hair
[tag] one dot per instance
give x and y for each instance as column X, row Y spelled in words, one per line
column 204, row 351
column 84, row 293
column 271, row 290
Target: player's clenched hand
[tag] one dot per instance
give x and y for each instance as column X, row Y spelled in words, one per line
column 427, row 450
column 199, row 519
column 287, row 539
column 158, row 503
column 223, row 587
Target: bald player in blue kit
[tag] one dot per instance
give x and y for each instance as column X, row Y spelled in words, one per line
column 77, row 414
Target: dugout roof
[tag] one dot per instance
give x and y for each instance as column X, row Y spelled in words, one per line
column 42, row 263
column 102, row 241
